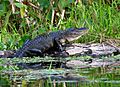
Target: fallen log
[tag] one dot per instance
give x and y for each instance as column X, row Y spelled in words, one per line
column 94, row 50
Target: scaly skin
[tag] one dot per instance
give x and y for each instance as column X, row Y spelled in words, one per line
column 42, row 43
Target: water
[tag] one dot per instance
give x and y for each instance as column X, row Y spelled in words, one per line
column 108, row 76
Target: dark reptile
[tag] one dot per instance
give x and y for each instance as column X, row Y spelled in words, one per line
column 42, row 43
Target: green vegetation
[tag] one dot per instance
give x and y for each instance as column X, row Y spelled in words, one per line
column 21, row 21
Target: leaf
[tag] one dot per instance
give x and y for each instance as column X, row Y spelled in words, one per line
column 1, row 7
column 20, row 5
column 1, row 13
column 22, row 8
column 22, row 12
column 44, row 3
column 65, row 3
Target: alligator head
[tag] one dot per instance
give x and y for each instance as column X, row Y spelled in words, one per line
column 72, row 34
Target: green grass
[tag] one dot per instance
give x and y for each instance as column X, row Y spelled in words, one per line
column 103, row 20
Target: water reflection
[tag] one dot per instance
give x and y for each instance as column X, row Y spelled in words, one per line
column 89, row 77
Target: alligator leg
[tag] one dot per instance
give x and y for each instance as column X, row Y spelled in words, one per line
column 58, row 45
column 68, row 44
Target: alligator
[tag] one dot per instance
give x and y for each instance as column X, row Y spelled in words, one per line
column 42, row 43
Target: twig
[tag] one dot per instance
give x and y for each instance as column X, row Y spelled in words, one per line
column 53, row 13
column 62, row 16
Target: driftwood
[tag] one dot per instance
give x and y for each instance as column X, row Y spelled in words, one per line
column 94, row 50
